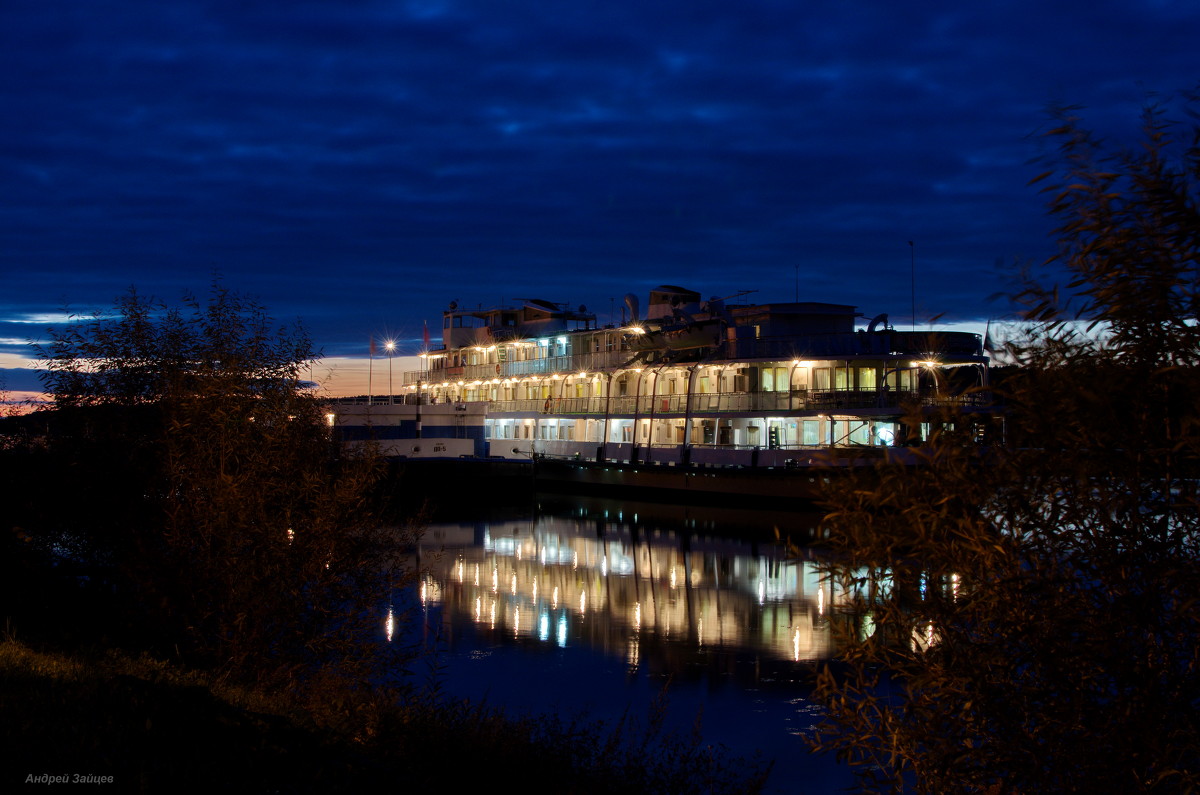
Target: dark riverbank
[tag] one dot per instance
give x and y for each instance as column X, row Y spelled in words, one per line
column 140, row 725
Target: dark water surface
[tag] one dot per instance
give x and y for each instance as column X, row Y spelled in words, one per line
column 593, row 607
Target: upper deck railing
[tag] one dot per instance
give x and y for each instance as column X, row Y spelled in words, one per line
column 887, row 345
column 731, row 403
column 701, row 403
column 581, row 362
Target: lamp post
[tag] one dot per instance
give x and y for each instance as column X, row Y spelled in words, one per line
column 791, row 375
column 931, row 366
column 390, row 346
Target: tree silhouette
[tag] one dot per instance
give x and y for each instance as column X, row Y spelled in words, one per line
column 1025, row 616
column 209, row 481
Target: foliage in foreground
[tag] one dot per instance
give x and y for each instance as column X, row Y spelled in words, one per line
column 205, row 489
column 1025, row 618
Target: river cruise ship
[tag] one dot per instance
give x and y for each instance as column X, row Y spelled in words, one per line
column 686, row 382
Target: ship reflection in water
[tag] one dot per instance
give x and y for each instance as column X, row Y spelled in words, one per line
column 614, row 599
column 617, row 585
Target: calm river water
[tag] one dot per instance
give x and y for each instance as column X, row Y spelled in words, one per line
column 590, row 607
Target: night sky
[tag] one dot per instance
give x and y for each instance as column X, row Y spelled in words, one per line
column 359, row 164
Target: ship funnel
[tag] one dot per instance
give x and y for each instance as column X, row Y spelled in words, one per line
column 631, row 301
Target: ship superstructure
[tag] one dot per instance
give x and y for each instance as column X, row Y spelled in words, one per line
column 722, row 382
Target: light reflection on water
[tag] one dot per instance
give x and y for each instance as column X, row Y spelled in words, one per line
column 594, row 606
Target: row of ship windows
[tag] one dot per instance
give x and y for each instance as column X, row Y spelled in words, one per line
column 765, row 379
column 772, row 433
column 535, row 351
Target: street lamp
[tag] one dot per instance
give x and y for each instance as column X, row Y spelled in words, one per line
column 390, row 346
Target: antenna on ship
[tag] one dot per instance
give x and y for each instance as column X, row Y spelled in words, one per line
column 912, row 263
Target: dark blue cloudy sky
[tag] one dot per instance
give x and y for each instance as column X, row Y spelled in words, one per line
column 359, row 163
